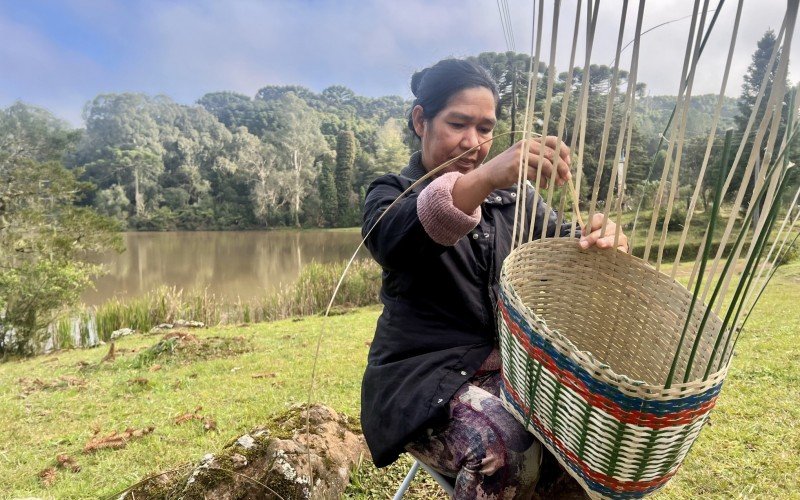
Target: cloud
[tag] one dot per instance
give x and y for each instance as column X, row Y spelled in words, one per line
column 186, row 48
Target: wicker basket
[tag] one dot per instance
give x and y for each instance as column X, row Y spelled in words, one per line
column 587, row 339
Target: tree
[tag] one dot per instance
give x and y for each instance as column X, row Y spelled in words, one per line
column 236, row 110
column 257, row 163
column 750, row 88
column 392, row 152
column 299, row 141
column 345, row 158
column 31, row 132
column 327, row 191
column 43, row 236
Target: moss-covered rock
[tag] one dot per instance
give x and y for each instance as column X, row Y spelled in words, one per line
column 271, row 462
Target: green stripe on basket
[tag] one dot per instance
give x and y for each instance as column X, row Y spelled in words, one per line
column 612, row 460
column 645, row 458
column 554, row 409
column 512, row 373
column 584, row 430
column 673, row 454
column 532, row 392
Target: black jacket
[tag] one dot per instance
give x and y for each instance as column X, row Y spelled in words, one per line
column 438, row 320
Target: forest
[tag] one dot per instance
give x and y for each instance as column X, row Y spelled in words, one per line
column 292, row 157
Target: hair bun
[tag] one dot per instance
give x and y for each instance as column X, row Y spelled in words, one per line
column 416, row 79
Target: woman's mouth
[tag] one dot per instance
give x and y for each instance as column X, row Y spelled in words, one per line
column 464, row 164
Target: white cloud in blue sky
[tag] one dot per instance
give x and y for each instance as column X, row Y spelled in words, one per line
column 60, row 54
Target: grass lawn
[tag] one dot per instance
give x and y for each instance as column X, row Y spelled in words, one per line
column 240, row 376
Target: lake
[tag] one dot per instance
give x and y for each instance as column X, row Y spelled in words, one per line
column 231, row 264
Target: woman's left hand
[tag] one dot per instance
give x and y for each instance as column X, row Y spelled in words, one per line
column 603, row 240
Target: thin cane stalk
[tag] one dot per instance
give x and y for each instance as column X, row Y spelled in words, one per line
column 706, row 250
column 747, row 275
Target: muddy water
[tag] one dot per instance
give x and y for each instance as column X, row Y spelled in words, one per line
column 231, row 264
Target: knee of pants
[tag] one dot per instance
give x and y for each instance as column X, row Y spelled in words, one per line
column 505, row 447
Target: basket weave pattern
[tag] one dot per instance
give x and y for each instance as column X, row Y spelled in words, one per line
column 589, row 382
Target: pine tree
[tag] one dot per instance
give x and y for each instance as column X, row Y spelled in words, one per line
column 345, row 158
column 327, row 191
column 750, row 87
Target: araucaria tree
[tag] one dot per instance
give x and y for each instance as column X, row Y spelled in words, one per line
column 756, row 72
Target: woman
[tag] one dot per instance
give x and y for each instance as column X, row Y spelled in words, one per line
column 432, row 380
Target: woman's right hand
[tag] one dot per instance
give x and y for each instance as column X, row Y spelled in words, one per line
column 502, row 171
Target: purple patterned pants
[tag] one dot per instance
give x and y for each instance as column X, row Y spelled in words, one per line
column 484, row 447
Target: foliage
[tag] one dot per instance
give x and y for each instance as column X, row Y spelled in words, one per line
column 234, row 161
column 42, row 239
column 756, row 72
column 308, row 295
column 327, row 192
column 343, row 176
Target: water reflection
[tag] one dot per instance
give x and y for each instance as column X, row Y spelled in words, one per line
column 231, row 264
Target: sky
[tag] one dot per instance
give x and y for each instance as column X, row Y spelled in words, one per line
column 59, row 54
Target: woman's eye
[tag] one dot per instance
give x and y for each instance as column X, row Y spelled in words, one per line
column 457, row 125
column 485, row 131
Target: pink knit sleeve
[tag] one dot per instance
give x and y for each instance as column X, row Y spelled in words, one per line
column 443, row 222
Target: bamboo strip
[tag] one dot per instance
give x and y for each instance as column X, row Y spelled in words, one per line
column 562, row 122
column 625, row 131
column 579, row 128
column 681, row 137
column 748, row 169
column 712, row 134
column 545, row 126
column 662, row 136
column 671, row 142
column 778, row 89
column 533, row 80
column 608, row 114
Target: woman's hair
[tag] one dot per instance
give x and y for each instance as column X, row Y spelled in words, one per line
column 433, row 87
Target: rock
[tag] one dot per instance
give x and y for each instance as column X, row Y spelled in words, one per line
column 162, row 326
column 181, row 323
column 273, row 463
column 246, row 441
column 121, row 333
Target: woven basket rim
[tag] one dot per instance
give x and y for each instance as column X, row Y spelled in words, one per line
column 586, row 358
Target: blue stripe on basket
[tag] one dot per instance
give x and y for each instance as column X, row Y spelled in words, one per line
column 626, row 402
column 593, row 485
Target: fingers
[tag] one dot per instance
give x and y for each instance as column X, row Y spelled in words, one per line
column 544, row 166
column 551, row 142
column 603, row 239
column 547, row 157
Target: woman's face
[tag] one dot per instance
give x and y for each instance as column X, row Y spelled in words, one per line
column 467, row 121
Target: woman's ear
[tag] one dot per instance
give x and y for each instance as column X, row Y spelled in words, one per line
column 418, row 119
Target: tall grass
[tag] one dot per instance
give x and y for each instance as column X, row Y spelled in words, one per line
column 309, row 295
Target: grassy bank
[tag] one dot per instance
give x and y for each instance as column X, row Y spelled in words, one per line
column 240, row 376
column 308, row 295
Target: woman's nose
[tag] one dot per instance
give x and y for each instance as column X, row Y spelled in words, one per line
column 470, row 138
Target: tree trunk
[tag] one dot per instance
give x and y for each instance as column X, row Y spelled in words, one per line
column 297, row 188
column 137, row 196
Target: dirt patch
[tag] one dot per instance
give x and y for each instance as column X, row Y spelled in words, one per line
column 48, row 476
column 184, row 347
column 29, row 386
column 115, row 440
column 67, row 462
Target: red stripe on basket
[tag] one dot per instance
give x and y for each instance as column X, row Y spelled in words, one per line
column 568, row 379
column 605, row 480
